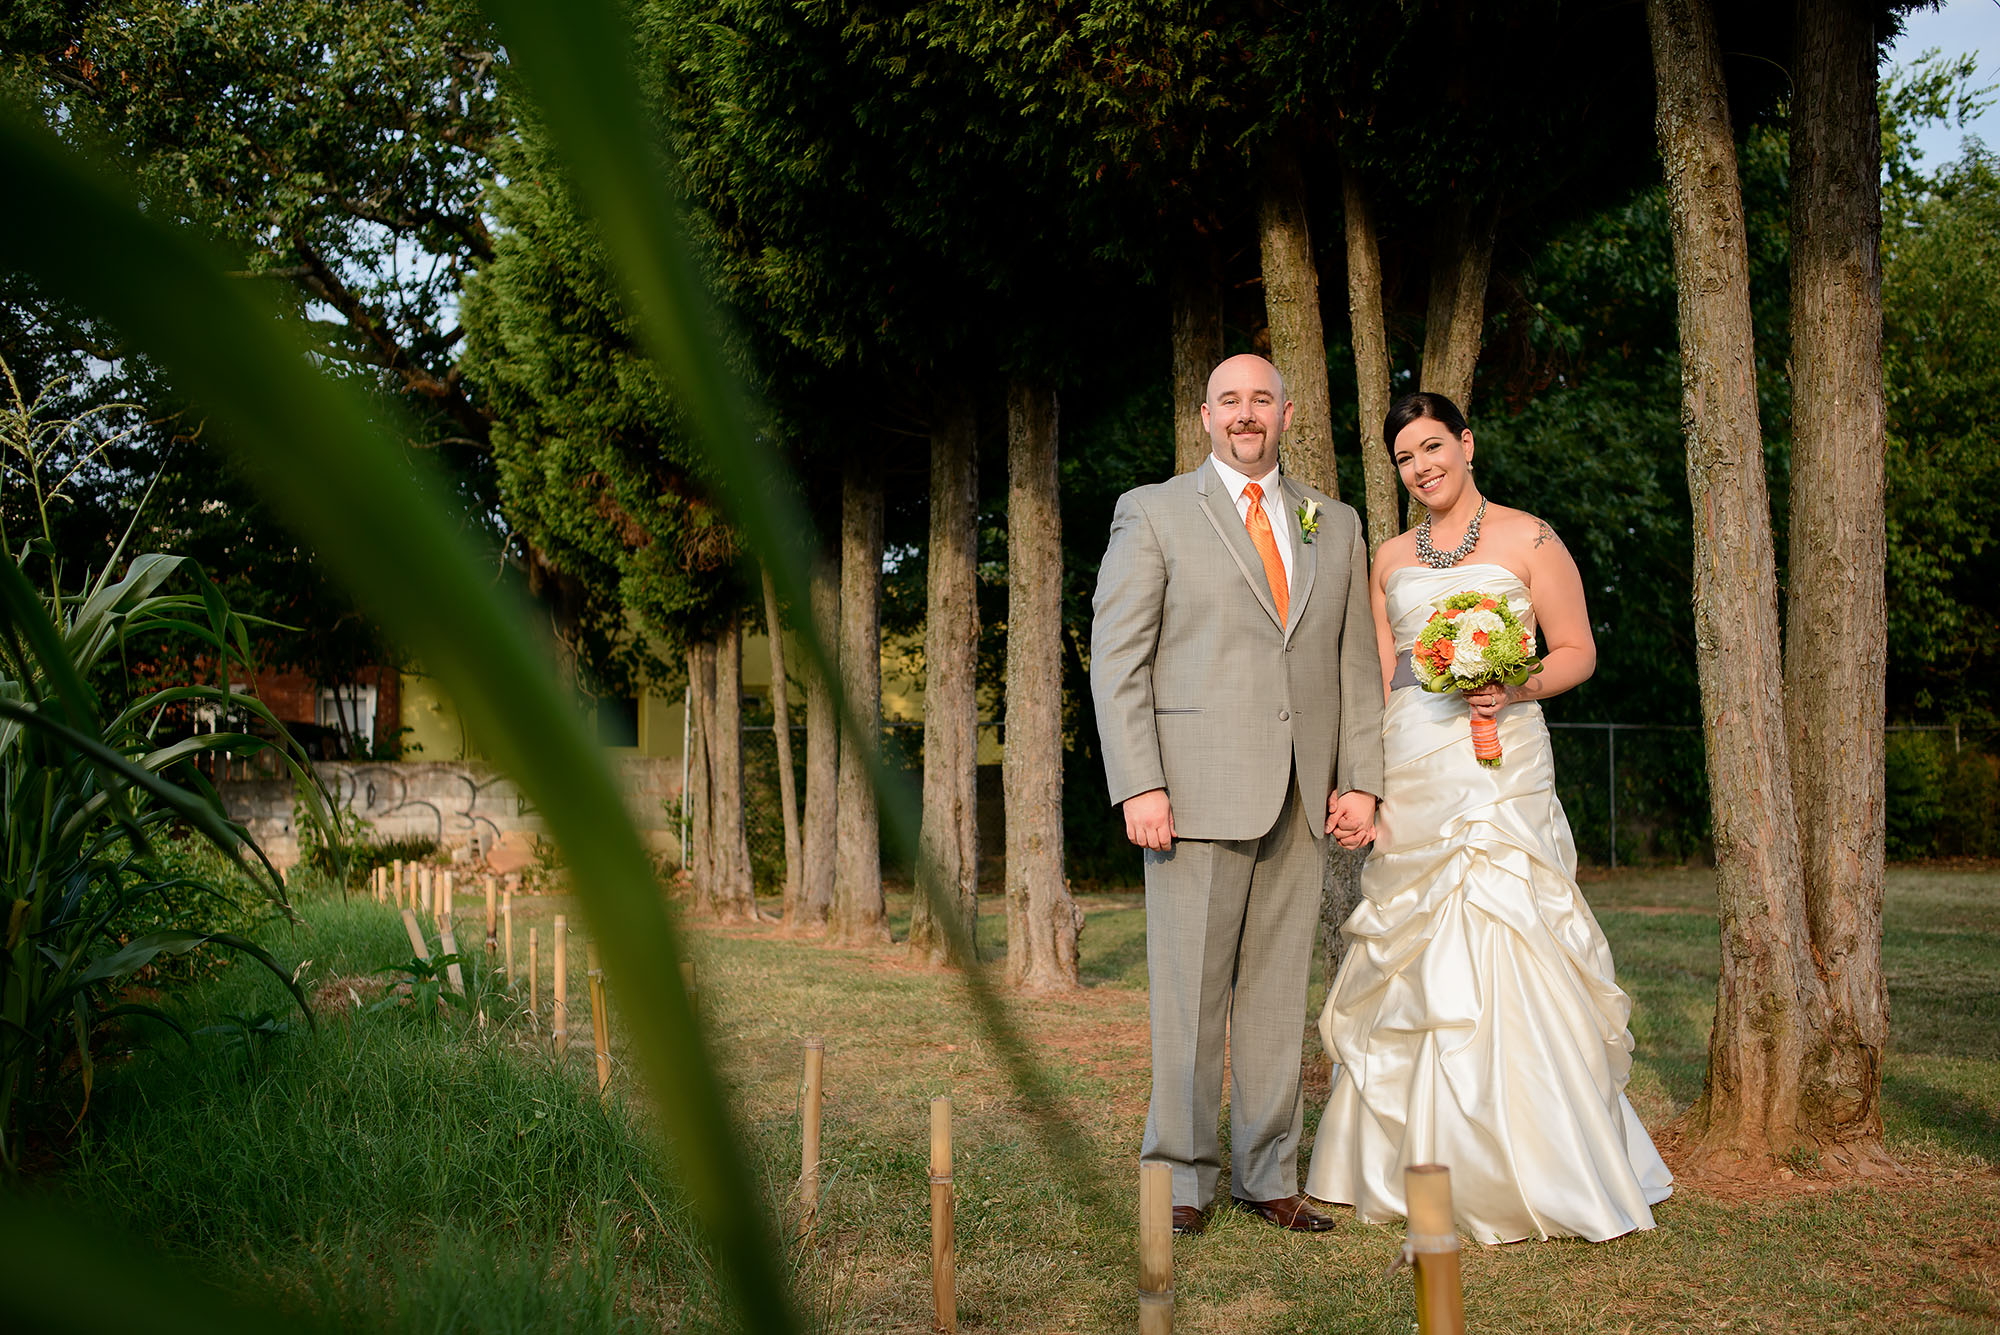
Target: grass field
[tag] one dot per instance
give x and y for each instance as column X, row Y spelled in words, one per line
column 448, row 1175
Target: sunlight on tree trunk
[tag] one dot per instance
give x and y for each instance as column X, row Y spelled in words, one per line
column 1836, row 649
column 781, row 736
column 860, row 914
column 1770, row 1008
column 950, row 833
column 822, row 748
column 1369, row 332
column 1043, row 921
column 1197, row 333
column 1291, row 306
column 735, row 895
column 700, row 857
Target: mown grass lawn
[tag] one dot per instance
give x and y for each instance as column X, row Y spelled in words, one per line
column 448, row 1176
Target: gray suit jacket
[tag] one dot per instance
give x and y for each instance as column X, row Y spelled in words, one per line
column 1198, row 688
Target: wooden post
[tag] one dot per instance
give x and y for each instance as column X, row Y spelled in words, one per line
column 687, row 981
column 809, row 1105
column 944, row 1273
column 1156, row 1249
column 444, row 899
column 600, row 1033
column 396, row 881
column 424, row 889
column 416, row 935
column 1431, row 1245
column 452, row 972
column 492, row 916
column 559, row 1016
column 535, row 973
column 507, row 917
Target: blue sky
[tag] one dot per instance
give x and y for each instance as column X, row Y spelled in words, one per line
column 1957, row 26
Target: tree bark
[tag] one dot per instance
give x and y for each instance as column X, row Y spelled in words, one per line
column 1836, row 610
column 860, row 913
column 1455, row 320
column 1197, row 318
column 1369, row 332
column 948, row 857
column 1770, row 1007
column 822, row 747
column 781, row 733
column 1291, row 309
column 735, row 892
column 700, row 858
column 1043, row 921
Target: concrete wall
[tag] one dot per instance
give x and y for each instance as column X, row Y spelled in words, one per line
column 466, row 806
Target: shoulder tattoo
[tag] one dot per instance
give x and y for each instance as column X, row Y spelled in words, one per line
column 1543, row 533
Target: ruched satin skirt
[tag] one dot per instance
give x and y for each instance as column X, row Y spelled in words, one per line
column 1474, row 1021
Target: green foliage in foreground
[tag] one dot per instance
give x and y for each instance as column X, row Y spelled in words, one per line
column 387, row 1172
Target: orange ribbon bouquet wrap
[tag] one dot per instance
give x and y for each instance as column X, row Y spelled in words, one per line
column 1475, row 640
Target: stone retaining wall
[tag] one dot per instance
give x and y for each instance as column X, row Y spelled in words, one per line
column 470, row 809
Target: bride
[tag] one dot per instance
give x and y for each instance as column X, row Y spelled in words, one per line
column 1474, row 1020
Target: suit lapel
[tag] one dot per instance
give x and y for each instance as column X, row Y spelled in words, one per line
column 1305, row 555
column 1215, row 503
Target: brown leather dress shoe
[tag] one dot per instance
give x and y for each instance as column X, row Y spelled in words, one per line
column 1297, row 1213
column 1188, row 1221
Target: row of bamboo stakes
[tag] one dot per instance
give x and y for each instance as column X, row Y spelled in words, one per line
column 1430, row 1243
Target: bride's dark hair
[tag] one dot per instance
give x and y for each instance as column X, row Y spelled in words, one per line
column 1414, row 408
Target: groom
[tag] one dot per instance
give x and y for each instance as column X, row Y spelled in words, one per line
column 1239, row 701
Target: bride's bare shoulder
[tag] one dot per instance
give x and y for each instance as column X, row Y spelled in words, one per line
column 1394, row 554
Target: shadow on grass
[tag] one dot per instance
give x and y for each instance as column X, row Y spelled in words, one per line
column 1958, row 1120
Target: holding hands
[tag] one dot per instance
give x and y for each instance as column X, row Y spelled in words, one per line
column 1350, row 818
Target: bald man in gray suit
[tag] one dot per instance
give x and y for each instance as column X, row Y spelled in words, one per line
column 1239, row 701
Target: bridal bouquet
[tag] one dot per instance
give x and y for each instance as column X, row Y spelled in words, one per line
column 1475, row 640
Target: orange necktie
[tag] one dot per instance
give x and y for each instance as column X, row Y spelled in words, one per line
column 1266, row 544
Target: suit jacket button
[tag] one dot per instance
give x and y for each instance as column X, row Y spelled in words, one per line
column 1284, row 714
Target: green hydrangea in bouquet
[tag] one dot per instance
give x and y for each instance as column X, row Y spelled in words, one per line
column 1475, row 640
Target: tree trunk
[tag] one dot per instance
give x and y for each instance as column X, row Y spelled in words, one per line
column 1369, row 332
column 860, row 914
column 1043, row 921
column 1770, row 1007
column 948, row 857
column 1291, row 308
column 1455, row 320
column 1836, row 612
column 700, row 857
column 822, row 746
column 1197, row 316
column 735, row 893
column 781, row 733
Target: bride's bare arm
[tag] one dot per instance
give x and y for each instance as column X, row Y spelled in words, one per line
column 1569, row 654
column 1378, row 602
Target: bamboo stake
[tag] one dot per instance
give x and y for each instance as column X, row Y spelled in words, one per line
column 535, row 973
column 1156, row 1249
column 1430, row 1244
column 416, row 935
column 452, row 972
column 559, row 1018
column 492, row 916
column 600, row 1032
column 815, row 1049
column 944, row 1273
column 507, row 916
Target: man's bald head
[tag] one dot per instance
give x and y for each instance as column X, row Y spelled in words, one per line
column 1246, row 413
column 1246, row 366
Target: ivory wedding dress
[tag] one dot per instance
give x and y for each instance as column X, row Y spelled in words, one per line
column 1474, row 1020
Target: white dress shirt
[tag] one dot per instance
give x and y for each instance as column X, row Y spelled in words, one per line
column 1274, row 506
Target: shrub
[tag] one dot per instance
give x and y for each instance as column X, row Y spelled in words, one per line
column 1915, row 797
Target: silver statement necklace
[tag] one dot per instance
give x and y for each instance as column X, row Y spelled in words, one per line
column 1438, row 560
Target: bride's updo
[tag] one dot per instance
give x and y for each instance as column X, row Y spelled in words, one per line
column 1415, row 407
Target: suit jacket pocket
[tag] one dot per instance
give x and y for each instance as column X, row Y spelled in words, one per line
column 1177, row 711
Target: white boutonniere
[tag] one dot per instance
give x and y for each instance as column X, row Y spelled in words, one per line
column 1308, row 520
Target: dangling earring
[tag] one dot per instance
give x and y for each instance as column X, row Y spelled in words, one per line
column 1469, row 465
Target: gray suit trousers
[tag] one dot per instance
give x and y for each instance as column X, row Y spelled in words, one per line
column 1230, row 926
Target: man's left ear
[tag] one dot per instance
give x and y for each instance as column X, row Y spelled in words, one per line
column 1286, row 425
